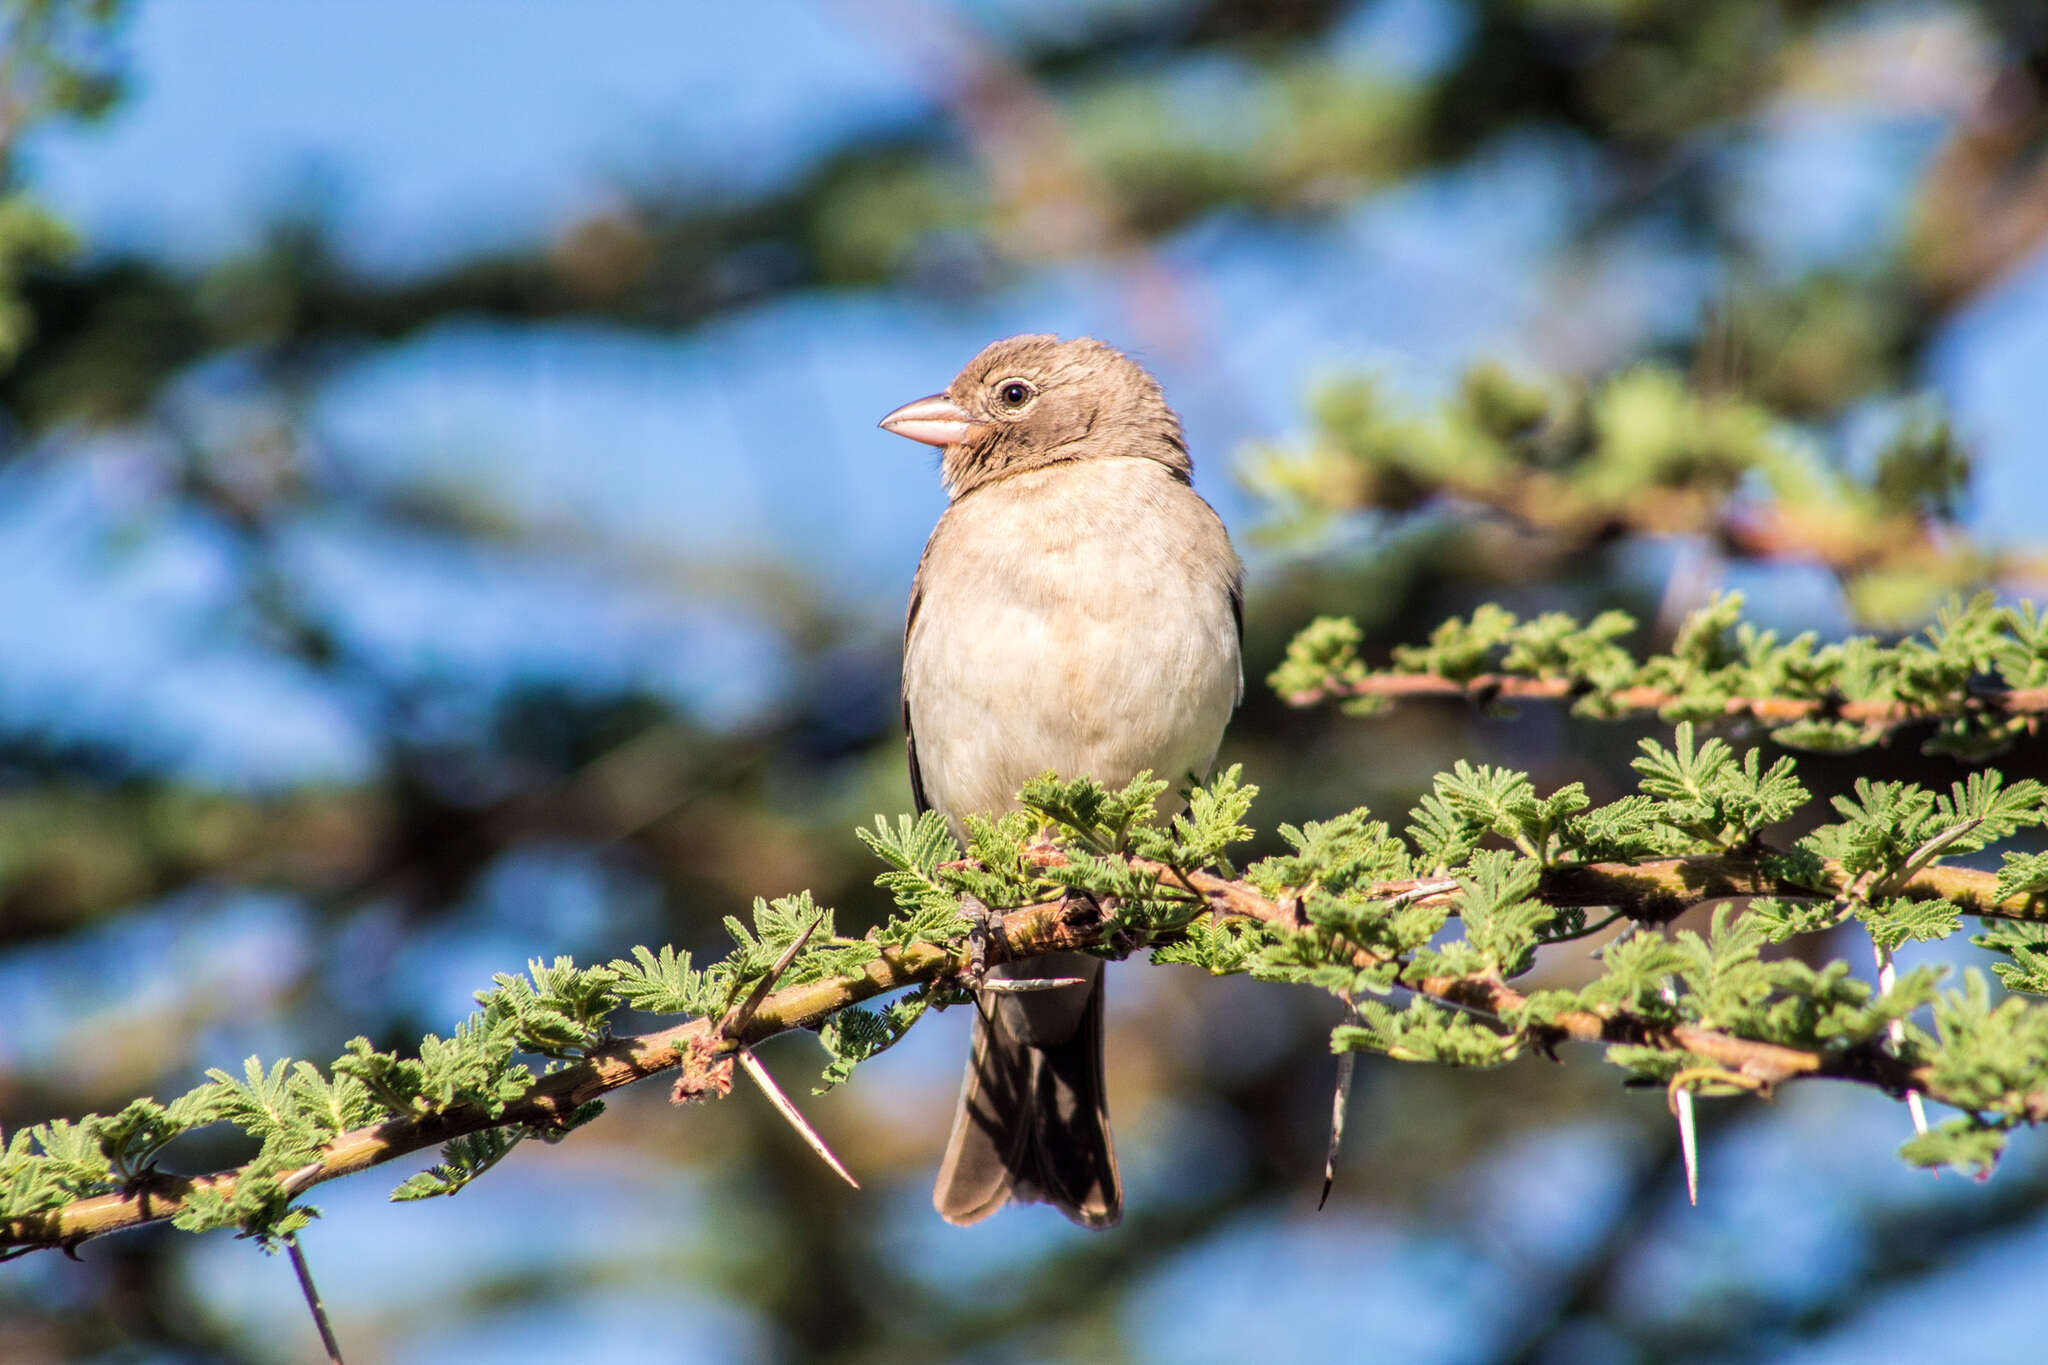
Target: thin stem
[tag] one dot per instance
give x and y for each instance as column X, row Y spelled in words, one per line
column 702, row 1050
column 1766, row 710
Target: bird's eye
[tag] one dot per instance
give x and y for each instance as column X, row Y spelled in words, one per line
column 1014, row 393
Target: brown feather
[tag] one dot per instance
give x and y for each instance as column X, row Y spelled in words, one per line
column 1077, row 608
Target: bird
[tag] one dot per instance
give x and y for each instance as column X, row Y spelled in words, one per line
column 1078, row 609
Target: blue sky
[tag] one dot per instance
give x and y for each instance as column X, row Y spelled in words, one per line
column 426, row 133
column 432, row 130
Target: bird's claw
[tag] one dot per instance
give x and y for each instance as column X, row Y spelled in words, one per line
column 978, row 920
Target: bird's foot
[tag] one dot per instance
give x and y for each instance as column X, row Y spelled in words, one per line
column 979, row 920
column 1085, row 907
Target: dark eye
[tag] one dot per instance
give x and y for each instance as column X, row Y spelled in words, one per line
column 1014, row 393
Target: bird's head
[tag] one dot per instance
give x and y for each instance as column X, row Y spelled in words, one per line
column 1030, row 401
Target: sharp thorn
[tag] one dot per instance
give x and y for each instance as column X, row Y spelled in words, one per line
column 1688, row 1143
column 742, row 1014
column 1887, row 977
column 1424, row 891
column 1340, row 1102
column 1018, row 985
column 752, row 1066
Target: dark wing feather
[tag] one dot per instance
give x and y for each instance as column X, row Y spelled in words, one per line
column 917, row 793
column 917, row 796
column 1236, row 610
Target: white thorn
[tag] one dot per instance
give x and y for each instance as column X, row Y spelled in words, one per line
column 1688, row 1143
column 1016, row 985
column 1441, row 887
column 753, row 1067
column 1346, row 1063
column 1887, row 977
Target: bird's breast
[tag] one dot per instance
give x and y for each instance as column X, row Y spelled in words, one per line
column 1087, row 630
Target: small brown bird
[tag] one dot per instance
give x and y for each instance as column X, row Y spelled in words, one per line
column 1078, row 608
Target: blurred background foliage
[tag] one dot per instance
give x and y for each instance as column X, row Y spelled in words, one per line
column 441, row 524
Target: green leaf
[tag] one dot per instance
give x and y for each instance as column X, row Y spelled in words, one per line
column 1639, row 966
column 1213, row 821
column 1988, row 1055
column 1323, row 655
column 1968, row 1145
column 462, row 1160
column 1444, row 835
column 855, row 1034
column 1339, row 854
column 1424, row 1032
column 1726, row 977
column 557, row 1009
column 1097, row 819
column 1898, row 921
column 1780, row 920
column 1219, row 947
column 2026, row 947
column 664, row 983
column 1500, row 916
column 2022, row 874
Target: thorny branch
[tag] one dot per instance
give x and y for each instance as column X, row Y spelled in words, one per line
column 1491, row 687
column 702, row 1050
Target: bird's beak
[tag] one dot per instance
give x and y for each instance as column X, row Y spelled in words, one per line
column 937, row 421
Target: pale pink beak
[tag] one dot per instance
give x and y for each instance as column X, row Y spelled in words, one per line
column 937, row 421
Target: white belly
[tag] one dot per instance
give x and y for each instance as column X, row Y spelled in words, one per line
column 1010, row 672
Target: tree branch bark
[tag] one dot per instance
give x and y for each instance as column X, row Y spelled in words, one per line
column 1491, row 687
column 701, row 1050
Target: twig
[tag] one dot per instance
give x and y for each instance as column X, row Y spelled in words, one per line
column 1033, row 931
column 752, row 1066
column 1490, row 687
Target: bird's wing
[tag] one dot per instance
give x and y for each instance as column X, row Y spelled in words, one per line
column 917, row 793
column 1236, row 613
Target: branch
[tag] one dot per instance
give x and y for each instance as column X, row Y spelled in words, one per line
column 1487, row 688
column 1979, row 675
column 1767, row 1063
column 1643, row 453
column 1133, row 901
column 695, row 1049
column 1492, row 996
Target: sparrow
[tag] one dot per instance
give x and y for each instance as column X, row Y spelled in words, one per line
column 1078, row 609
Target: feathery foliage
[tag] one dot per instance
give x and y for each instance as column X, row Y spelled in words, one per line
column 1978, row 676
column 1489, row 873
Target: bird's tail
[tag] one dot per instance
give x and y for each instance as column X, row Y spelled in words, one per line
column 1033, row 1123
